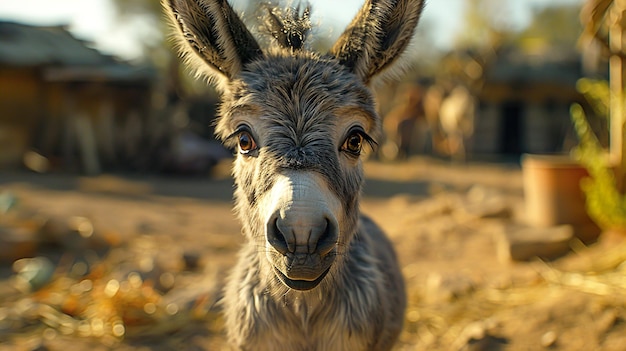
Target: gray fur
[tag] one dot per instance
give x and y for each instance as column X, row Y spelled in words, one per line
column 297, row 194
column 379, row 33
column 287, row 26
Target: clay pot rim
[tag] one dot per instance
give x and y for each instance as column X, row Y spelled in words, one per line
column 549, row 161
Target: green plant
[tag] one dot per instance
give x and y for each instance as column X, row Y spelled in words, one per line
column 606, row 205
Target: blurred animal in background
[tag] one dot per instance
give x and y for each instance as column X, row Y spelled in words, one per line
column 453, row 99
column 456, row 118
column 437, row 119
column 314, row 273
column 405, row 125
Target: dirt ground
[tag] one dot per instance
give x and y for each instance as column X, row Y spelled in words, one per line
column 136, row 263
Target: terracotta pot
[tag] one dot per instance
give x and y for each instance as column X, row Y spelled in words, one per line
column 553, row 196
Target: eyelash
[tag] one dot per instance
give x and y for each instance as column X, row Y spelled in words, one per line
column 234, row 140
column 364, row 137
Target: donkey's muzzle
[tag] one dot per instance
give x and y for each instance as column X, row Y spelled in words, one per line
column 305, row 249
column 302, row 229
column 299, row 284
column 305, row 246
column 291, row 236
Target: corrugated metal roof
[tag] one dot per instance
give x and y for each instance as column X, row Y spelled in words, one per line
column 24, row 45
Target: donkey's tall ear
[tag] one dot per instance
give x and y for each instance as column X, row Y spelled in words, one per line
column 212, row 37
column 377, row 36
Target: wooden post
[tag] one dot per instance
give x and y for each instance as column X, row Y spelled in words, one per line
column 87, row 144
column 616, row 72
column 68, row 135
column 105, row 128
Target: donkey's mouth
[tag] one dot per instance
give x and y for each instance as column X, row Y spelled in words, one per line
column 301, row 285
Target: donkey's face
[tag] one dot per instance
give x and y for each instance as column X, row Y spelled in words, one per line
column 298, row 121
column 299, row 125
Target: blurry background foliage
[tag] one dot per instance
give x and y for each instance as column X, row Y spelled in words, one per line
column 486, row 24
column 605, row 204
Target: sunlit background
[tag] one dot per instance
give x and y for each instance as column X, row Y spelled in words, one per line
column 101, row 22
column 481, row 47
column 500, row 177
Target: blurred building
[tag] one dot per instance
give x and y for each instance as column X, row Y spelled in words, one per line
column 525, row 101
column 76, row 107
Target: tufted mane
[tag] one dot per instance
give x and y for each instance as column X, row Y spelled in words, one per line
column 288, row 26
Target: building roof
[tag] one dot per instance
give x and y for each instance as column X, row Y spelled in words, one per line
column 63, row 56
column 25, row 45
column 513, row 66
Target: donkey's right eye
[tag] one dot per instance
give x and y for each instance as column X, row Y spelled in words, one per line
column 246, row 143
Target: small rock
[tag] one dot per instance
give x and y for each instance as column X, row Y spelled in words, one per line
column 32, row 273
column 441, row 288
column 481, row 202
column 40, row 347
column 7, row 201
column 525, row 243
column 487, row 343
column 478, row 336
column 476, row 331
column 76, row 233
column 192, row 260
column 16, row 243
column 52, row 230
column 548, row 339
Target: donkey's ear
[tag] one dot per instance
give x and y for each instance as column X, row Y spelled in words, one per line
column 377, row 36
column 212, row 36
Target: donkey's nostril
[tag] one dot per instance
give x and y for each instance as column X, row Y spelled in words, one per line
column 302, row 232
column 276, row 238
column 327, row 238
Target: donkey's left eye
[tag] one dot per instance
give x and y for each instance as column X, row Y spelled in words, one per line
column 246, row 143
column 353, row 143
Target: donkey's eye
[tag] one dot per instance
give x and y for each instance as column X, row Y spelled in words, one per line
column 353, row 143
column 246, row 142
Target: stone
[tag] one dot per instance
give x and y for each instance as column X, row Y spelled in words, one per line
column 7, row 201
column 16, row 243
column 549, row 339
column 520, row 243
column 52, row 230
column 479, row 336
column 33, row 273
column 446, row 288
column 76, row 233
column 486, row 343
column 483, row 203
column 192, row 260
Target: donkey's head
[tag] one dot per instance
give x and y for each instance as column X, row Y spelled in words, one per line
column 298, row 121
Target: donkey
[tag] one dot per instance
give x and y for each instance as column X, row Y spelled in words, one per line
column 313, row 273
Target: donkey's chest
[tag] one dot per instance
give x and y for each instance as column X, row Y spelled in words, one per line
column 321, row 343
column 316, row 332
